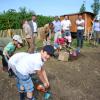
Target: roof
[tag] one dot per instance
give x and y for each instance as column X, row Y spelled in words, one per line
column 80, row 13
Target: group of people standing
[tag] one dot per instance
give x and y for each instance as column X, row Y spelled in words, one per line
column 30, row 31
column 62, row 30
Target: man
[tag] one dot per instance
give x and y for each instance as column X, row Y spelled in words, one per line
column 66, row 24
column 80, row 31
column 57, row 28
column 96, row 29
column 24, row 64
column 33, row 25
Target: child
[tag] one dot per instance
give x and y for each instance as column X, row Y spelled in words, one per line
column 25, row 64
column 68, row 40
column 9, row 50
column 59, row 43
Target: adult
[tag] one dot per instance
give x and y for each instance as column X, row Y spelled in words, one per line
column 57, row 28
column 24, row 64
column 66, row 25
column 48, row 32
column 33, row 25
column 80, row 31
column 29, row 36
column 96, row 29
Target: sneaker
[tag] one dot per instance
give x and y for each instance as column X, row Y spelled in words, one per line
column 33, row 98
column 47, row 95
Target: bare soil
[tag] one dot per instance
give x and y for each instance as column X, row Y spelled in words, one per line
column 74, row 80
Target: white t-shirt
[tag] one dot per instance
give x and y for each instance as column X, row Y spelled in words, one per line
column 79, row 27
column 66, row 24
column 28, row 63
column 35, row 26
column 14, row 60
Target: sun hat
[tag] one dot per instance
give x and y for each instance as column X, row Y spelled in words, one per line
column 49, row 49
column 17, row 38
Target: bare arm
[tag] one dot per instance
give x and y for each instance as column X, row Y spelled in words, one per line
column 43, row 77
column 6, row 53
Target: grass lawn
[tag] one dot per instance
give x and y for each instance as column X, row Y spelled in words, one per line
column 39, row 43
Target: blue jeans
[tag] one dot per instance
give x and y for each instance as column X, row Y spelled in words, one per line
column 24, row 82
column 80, row 38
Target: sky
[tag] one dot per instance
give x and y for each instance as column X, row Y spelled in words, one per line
column 47, row 7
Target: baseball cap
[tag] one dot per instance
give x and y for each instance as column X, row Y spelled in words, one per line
column 17, row 38
column 49, row 49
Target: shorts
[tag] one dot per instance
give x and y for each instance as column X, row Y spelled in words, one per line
column 24, row 83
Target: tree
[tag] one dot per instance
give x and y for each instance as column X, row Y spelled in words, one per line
column 11, row 19
column 42, row 20
column 23, row 12
column 96, row 7
column 82, row 9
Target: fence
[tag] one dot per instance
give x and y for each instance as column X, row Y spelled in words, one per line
column 10, row 32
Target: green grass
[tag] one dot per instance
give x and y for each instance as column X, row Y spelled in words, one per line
column 86, row 44
column 39, row 43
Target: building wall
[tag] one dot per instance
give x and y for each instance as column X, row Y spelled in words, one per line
column 89, row 23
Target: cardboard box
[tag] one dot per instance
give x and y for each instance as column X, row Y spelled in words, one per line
column 63, row 56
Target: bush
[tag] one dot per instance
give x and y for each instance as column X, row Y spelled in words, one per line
column 13, row 20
